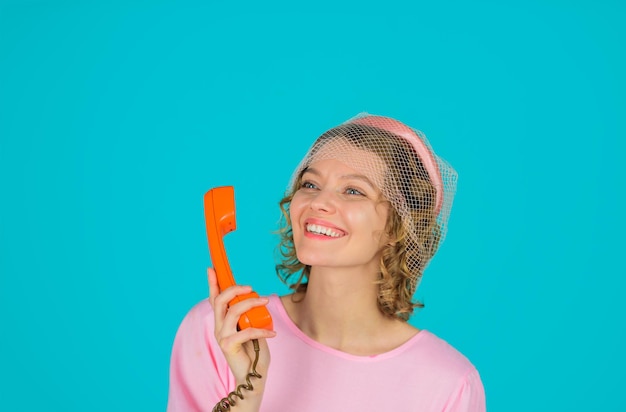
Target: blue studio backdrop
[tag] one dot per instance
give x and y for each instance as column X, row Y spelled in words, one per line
column 117, row 116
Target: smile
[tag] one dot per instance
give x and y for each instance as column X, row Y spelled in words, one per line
column 322, row 230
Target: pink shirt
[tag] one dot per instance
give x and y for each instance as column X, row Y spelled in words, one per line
column 424, row 374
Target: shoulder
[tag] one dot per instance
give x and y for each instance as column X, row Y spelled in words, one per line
column 199, row 311
column 198, row 315
column 449, row 373
column 441, row 350
column 196, row 328
column 440, row 358
column 199, row 373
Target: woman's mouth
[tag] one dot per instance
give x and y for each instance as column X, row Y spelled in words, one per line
column 323, row 230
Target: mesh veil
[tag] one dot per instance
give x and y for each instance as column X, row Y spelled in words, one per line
column 419, row 185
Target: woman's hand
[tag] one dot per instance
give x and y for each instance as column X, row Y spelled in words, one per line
column 236, row 345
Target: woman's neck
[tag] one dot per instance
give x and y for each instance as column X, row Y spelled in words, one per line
column 340, row 310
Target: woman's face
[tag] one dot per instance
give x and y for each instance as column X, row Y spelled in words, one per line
column 337, row 216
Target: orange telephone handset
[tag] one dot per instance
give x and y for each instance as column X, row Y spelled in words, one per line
column 219, row 213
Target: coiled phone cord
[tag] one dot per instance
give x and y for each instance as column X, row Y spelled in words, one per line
column 225, row 404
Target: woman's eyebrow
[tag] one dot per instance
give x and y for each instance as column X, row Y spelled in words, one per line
column 362, row 178
column 311, row 170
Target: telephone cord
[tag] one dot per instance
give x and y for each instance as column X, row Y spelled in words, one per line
column 226, row 403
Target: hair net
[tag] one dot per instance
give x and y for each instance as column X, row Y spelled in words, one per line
column 419, row 184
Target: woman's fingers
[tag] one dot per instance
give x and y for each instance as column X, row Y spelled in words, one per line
column 217, row 295
column 231, row 340
column 229, row 294
column 232, row 344
column 219, row 299
column 235, row 311
column 226, row 318
column 235, row 344
column 214, row 288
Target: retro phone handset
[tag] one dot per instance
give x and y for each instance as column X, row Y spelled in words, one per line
column 219, row 213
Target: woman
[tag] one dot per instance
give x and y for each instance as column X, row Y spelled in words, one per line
column 365, row 212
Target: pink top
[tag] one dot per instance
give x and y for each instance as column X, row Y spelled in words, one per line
column 424, row 374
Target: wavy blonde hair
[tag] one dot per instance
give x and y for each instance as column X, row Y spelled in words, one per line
column 396, row 283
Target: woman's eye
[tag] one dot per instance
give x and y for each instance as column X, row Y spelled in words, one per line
column 353, row 191
column 307, row 185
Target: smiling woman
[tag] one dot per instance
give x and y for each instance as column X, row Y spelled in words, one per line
column 338, row 219
column 400, row 169
column 366, row 210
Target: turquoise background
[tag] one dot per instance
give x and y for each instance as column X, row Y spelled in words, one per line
column 116, row 117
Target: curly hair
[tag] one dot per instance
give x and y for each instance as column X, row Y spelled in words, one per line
column 410, row 247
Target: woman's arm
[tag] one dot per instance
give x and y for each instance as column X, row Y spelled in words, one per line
column 208, row 347
column 199, row 374
column 236, row 345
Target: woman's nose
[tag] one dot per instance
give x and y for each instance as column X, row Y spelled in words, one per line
column 323, row 201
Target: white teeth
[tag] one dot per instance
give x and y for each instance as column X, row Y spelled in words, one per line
column 321, row 230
